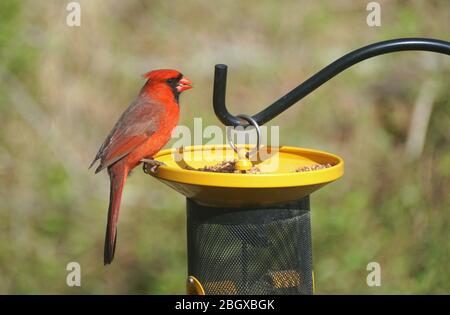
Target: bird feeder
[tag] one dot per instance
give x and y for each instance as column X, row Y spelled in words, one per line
column 251, row 233
column 248, row 233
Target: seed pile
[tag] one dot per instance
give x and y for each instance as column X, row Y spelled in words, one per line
column 315, row 167
column 228, row 167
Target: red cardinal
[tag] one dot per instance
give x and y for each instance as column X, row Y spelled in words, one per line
column 142, row 130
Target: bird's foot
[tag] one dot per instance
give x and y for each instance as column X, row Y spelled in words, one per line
column 151, row 165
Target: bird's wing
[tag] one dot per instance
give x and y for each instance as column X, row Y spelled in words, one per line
column 139, row 121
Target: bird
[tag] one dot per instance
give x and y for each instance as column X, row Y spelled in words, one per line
column 140, row 132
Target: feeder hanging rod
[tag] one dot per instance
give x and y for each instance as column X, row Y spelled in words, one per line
column 346, row 61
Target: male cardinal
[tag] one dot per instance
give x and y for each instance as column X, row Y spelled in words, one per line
column 142, row 130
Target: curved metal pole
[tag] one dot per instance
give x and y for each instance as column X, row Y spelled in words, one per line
column 366, row 52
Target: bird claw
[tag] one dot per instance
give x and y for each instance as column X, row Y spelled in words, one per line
column 151, row 166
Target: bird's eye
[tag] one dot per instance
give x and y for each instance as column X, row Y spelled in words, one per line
column 170, row 81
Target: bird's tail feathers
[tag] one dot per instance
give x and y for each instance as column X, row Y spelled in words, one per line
column 118, row 175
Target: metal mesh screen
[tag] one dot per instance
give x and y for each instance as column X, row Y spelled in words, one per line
column 252, row 250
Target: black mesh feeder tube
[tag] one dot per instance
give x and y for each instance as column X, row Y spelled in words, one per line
column 251, row 250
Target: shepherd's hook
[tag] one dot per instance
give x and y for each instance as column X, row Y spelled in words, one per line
column 279, row 106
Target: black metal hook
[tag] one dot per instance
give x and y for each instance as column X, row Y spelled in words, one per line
column 346, row 61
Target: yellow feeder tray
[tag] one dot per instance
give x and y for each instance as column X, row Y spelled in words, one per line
column 278, row 182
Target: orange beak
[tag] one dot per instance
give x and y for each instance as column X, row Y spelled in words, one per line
column 184, row 84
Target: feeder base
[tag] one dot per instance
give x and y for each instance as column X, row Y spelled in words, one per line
column 263, row 250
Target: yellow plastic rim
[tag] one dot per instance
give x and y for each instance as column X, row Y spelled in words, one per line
column 289, row 158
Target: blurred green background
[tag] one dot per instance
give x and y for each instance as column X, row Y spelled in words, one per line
column 62, row 88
